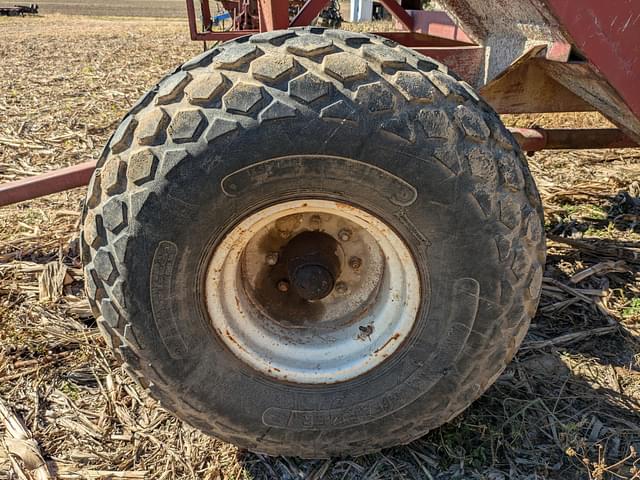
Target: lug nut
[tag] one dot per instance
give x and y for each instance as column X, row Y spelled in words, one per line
column 271, row 258
column 344, row 234
column 341, row 288
column 283, row 286
column 355, row 263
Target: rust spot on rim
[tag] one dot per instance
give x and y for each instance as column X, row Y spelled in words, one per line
column 230, row 337
column 395, row 337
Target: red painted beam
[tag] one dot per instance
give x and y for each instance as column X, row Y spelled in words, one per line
column 223, row 36
column 191, row 16
column 398, row 12
column 46, row 184
column 608, row 35
column 466, row 62
column 438, row 24
column 309, row 12
column 535, row 139
column 206, row 14
column 274, row 15
column 530, row 140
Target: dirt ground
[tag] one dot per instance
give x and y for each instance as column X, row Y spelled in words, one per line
column 567, row 407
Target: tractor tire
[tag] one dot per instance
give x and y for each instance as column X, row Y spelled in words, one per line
column 365, row 133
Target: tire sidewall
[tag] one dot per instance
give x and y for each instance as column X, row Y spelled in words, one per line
column 157, row 208
column 192, row 212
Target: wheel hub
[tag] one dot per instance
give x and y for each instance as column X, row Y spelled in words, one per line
column 312, row 282
column 312, row 291
column 312, row 264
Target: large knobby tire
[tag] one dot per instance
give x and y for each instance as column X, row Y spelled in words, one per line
column 313, row 114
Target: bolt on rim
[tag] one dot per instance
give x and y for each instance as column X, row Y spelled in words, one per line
column 312, row 291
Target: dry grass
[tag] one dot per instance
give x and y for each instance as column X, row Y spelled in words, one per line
column 567, row 407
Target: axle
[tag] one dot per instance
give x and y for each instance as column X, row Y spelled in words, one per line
column 530, row 140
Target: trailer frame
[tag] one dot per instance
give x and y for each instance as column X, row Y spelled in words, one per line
column 534, row 56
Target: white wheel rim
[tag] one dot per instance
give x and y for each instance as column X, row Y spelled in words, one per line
column 335, row 347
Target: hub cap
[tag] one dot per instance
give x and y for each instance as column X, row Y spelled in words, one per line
column 312, row 291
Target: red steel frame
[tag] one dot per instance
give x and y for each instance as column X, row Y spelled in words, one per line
column 275, row 16
column 47, row 183
column 606, row 34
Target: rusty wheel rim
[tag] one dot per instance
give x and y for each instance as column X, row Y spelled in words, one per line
column 312, row 291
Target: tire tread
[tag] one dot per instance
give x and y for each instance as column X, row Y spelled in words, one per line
column 276, row 75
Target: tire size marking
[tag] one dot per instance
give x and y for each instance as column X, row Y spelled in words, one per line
column 162, row 300
column 466, row 294
column 304, row 167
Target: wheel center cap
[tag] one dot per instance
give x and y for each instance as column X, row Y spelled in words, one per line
column 312, row 282
column 312, row 264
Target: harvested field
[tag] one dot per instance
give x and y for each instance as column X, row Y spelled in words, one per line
column 567, row 407
column 134, row 8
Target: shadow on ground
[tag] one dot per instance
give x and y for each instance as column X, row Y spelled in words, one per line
column 565, row 408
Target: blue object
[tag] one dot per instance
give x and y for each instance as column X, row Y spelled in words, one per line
column 221, row 17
